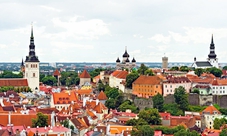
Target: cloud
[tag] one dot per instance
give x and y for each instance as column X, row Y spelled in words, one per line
column 138, row 36
column 160, row 38
column 2, row 46
column 50, row 8
column 135, row 52
column 71, row 46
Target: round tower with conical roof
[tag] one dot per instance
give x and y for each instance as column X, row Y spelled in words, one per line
column 164, row 62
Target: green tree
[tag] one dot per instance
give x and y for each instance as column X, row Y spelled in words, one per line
column 144, row 130
column 224, row 68
column 199, row 71
column 110, row 103
column 181, row 98
column 130, row 78
column 158, row 102
column 41, row 120
column 112, row 93
column 223, row 111
column 174, row 68
column 142, row 69
column 184, row 68
column 65, row 123
column 215, row 71
column 41, row 76
column 149, row 72
column 128, row 105
column 219, row 122
column 173, row 109
column 151, row 116
column 186, row 133
column 196, row 90
column 223, row 132
column 136, row 122
column 119, row 99
column 49, row 80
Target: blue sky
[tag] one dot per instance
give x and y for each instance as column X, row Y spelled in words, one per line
column 99, row 30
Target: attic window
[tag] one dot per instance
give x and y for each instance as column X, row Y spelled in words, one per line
column 67, row 98
column 64, row 102
column 60, row 98
column 58, row 102
column 69, row 102
column 63, row 98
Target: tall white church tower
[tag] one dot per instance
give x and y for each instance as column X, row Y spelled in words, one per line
column 32, row 66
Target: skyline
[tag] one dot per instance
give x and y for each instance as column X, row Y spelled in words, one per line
column 91, row 31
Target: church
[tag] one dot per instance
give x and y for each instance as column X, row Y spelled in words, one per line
column 212, row 60
column 31, row 67
column 125, row 64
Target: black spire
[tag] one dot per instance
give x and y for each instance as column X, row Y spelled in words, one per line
column 126, row 53
column 32, row 57
column 133, row 60
column 22, row 62
column 212, row 54
column 118, row 60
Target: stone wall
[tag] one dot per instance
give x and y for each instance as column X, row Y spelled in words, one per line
column 193, row 99
column 205, row 100
column 221, row 100
column 169, row 99
column 142, row 103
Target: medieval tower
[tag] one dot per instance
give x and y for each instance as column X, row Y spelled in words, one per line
column 164, row 62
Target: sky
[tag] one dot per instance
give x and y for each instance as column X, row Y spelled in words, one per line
column 100, row 30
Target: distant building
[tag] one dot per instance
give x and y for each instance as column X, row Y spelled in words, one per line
column 125, row 64
column 85, row 78
column 164, row 62
column 32, row 66
column 212, row 60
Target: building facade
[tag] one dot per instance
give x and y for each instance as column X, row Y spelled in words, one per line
column 164, row 62
column 32, row 66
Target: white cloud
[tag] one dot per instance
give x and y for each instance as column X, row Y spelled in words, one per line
column 50, row 8
column 135, row 52
column 160, row 38
column 71, row 46
column 2, row 46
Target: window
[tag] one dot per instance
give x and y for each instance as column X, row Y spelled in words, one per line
column 26, row 65
column 223, row 87
column 223, row 91
column 31, row 65
column 156, row 86
column 166, row 86
column 213, row 92
column 220, row 87
column 220, row 91
column 33, row 74
column 216, row 87
column 170, row 90
column 170, row 86
column 167, row 91
column 213, row 87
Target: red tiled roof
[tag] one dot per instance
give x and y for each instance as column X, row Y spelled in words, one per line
column 91, row 114
column 211, row 110
column 164, row 115
column 153, row 80
column 189, row 121
column 56, row 73
column 85, row 74
column 120, row 74
column 13, row 82
column 100, row 107
column 64, row 98
column 178, row 80
column 84, row 91
column 102, row 96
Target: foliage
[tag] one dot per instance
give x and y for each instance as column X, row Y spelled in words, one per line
column 69, row 78
column 169, row 131
column 142, row 69
column 49, row 80
column 219, row 122
column 10, row 74
column 144, row 130
column 186, row 133
column 173, row 109
column 16, row 89
column 130, row 78
column 181, row 98
column 223, row 111
column 110, row 103
column 65, row 123
column 136, row 122
column 216, row 106
column 149, row 72
column 128, row 105
column 223, row 132
column 199, row 71
column 112, row 93
column 196, row 108
column 119, row 100
column 71, row 127
column 96, row 72
column 215, row 71
column 158, row 102
column 41, row 120
column 196, row 90
column 151, row 116
column 41, row 76
column 175, row 68
column 224, row 68
column 184, row 68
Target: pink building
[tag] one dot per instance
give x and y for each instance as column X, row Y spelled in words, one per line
column 174, row 82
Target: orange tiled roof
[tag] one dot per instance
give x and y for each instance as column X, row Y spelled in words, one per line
column 100, row 107
column 102, row 96
column 189, row 121
column 153, row 80
column 211, row 109
column 64, row 98
column 56, row 73
column 13, row 82
column 120, row 74
column 91, row 114
column 84, row 91
column 91, row 104
column 219, row 82
column 85, row 74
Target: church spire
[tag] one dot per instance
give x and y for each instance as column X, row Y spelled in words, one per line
column 22, row 62
column 212, row 54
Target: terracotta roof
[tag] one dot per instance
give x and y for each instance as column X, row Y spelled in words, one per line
column 56, row 73
column 64, row 98
column 91, row 114
column 85, row 74
column 84, row 91
column 189, row 121
column 79, row 123
column 120, row 74
column 211, row 110
column 153, row 80
column 219, row 82
column 102, row 96
column 47, row 110
column 164, row 115
column 90, row 104
column 178, row 80
column 13, row 82
column 100, row 107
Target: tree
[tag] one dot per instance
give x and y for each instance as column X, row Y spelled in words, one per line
column 128, row 105
column 110, row 103
column 112, row 93
column 130, row 78
column 181, row 98
column 151, row 116
column 215, row 71
column 41, row 76
column 49, row 80
column 119, row 100
column 184, row 68
column 41, row 120
column 136, row 122
column 219, row 122
column 142, row 69
column 199, row 71
column 149, row 72
column 224, row 68
column 184, row 132
column 65, row 123
column 144, row 130
column 223, row 132
column 196, row 90
column 158, row 102
column 175, row 68
column 223, row 111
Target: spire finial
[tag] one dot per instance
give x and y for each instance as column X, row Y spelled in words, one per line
column 125, row 48
column 212, row 41
column 32, row 29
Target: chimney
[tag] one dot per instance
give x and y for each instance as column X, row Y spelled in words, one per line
column 96, row 101
column 9, row 119
column 69, row 93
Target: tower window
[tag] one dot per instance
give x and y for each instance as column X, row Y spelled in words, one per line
column 26, row 65
column 33, row 74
